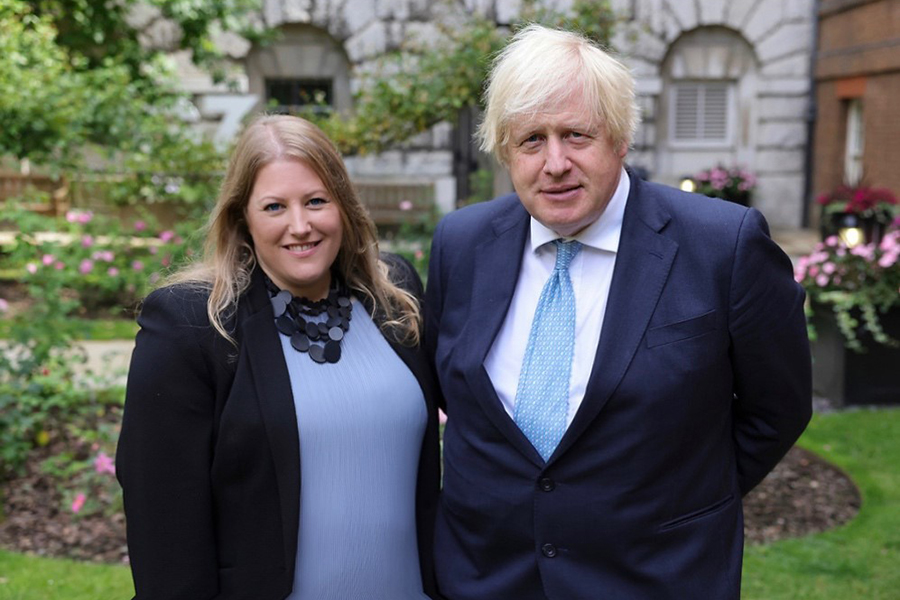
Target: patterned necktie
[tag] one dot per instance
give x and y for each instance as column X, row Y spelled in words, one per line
column 542, row 397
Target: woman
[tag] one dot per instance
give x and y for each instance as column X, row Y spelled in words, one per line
column 280, row 429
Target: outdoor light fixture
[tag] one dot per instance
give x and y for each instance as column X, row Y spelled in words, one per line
column 687, row 184
column 850, row 231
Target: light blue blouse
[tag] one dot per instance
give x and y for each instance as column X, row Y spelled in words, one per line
column 361, row 423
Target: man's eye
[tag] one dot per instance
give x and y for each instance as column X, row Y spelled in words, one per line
column 532, row 139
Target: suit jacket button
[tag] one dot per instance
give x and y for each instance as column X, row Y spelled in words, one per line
column 546, row 484
column 549, row 550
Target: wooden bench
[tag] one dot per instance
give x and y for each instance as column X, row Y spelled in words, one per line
column 396, row 202
column 17, row 185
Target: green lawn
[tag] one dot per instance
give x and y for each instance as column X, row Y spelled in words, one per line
column 32, row 578
column 862, row 559
column 858, row 561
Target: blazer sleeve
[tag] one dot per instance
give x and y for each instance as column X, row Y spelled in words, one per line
column 165, row 451
column 770, row 353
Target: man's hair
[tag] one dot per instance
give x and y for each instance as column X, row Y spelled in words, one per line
column 539, row 70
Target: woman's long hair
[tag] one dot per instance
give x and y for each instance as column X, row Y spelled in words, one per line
column 228, row 256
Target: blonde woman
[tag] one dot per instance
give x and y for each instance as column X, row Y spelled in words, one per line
column 280, row 430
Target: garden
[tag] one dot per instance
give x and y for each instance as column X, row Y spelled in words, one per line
column 125, row 205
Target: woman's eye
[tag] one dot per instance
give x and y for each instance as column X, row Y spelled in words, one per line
column 317, row 201
column 272, row 207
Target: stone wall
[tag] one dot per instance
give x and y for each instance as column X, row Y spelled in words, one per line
column 773, row 94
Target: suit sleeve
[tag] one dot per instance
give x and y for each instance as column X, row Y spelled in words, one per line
column 165, row 451
column 770, row 353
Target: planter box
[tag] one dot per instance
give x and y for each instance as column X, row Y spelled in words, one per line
column 850, row 378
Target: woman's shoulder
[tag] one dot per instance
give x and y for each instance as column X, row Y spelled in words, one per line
column 402, row 273
column 182, row 303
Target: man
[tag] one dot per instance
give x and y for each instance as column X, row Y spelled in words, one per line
column 621, row 361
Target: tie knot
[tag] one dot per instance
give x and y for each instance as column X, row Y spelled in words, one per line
column 565, row 252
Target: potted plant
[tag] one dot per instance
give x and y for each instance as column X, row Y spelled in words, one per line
column 854, row 317
column 870, row 209
column 734, row 184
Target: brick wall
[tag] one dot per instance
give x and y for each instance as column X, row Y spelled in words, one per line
column 858, row 56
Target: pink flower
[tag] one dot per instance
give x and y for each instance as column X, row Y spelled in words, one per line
column 48, row 259
column 4, row 305
column 86, row 266
column 87, row 241
column 406, row 205
column 822, row 280
column 137, row 265
column 104, row 464
column 419, row 254
column 887, row 260
column 153, row 250
column 167, row 260
column 829, row 268
column 140, row 226
column 85, row 217
column 59, row 266
column 78, row 502
column 167, row 235
column 832, row 241
column 31, row 268
column 112, row 271
column 104, row 255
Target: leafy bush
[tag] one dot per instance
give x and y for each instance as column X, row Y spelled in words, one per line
column 858, row 283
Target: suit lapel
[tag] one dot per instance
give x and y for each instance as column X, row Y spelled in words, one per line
column 262, row 348
column 499, row 259
column 643, row 262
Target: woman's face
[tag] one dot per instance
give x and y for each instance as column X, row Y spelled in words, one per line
column 296, row 227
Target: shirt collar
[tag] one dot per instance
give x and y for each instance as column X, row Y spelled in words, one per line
column 602, row 234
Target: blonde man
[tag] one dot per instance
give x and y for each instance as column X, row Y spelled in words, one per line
column 621, row 361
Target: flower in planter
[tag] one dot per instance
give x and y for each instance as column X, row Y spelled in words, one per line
column 867, row 210
column 859, row 284
column 862, row 200
column 734, row 184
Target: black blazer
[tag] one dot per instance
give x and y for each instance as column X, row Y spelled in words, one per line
column 208, row 456
column 700, row 384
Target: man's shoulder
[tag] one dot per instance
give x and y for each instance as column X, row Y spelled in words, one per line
column 690, row 209
column 489, row 214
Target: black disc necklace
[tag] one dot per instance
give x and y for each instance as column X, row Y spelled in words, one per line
column 321, row 339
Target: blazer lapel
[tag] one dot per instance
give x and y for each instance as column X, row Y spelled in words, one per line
column 497, row 266
column 643, row 262
column 262, row 348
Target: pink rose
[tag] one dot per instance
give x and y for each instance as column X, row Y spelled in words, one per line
column 112, row 271
column 86, row 266
column 104, row 464
column 140, row 226
column 78, row 502
column 48, row 259
column 31, row 268
column 87, row 241
column 137, row 265
column 166, row 235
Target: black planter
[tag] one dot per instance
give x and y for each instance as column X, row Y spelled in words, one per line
column 873, row 227
column 847, row 377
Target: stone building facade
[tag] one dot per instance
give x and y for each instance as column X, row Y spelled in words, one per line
column 857, row 72
column 719, row 81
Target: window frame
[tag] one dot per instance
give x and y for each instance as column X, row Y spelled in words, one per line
column 703, row 85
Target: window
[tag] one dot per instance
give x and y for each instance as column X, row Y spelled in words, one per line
column 853, row 153
column 701, row 112
column 284, row 95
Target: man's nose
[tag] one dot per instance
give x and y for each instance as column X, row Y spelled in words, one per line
column 556, row 160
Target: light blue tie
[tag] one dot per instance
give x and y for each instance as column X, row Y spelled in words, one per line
column 542, row 398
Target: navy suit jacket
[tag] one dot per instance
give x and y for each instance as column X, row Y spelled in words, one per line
column 700, row 384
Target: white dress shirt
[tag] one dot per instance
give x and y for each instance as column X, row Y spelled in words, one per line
column 591, row 273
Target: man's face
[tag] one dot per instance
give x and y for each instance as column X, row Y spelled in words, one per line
column 564, row 169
